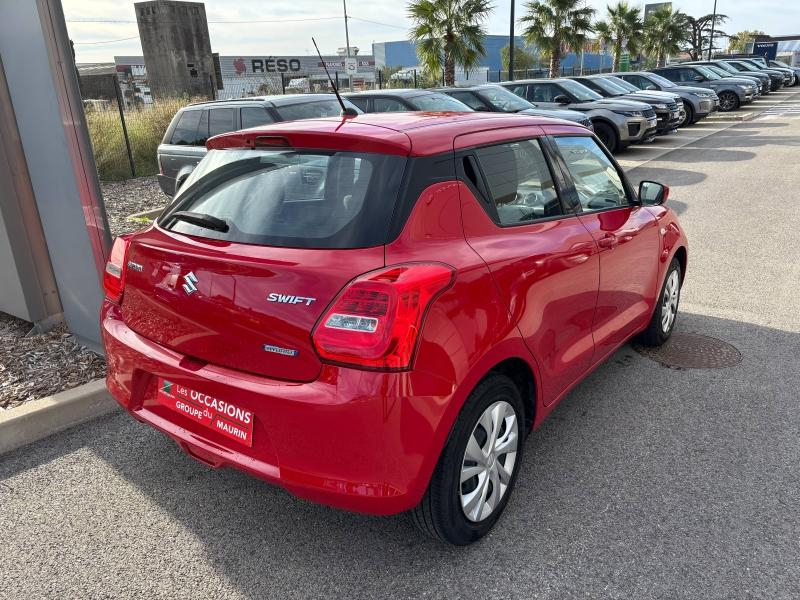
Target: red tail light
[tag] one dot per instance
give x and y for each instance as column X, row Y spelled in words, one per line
column 114, row 275
column 375, row 321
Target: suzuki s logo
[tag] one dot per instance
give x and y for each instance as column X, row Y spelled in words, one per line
column 284, row 299
column 190, row 287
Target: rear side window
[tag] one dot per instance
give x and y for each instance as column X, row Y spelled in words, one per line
column 220, row 120
column 292, row 199
column 185, row 132
column 253, row 116
column 519, row 182
column 389, row 105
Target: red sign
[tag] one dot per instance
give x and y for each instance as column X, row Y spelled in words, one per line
column 221, row 416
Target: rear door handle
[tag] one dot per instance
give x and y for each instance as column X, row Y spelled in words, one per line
column 607, row 241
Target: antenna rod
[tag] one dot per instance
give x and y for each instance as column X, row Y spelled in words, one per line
column 346, row 111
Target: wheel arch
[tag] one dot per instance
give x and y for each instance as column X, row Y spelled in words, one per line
column 681, row 255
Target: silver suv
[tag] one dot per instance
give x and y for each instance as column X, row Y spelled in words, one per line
column 184, row 141
column 618, row 123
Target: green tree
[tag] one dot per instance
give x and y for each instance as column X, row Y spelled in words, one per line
column 698, row 34
column 738, row 41
column 664, row 30
column 522, row 58
column 556, row 26
column 448, row 33
column 623, row 29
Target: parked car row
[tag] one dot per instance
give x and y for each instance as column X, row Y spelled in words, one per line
column 622, row 108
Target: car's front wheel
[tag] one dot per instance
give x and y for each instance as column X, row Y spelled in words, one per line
column 478, row 467
column 666, row 311
column 728, row 101
column 688, row 117
column 607, row 135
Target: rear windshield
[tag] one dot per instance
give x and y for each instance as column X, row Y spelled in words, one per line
column 289, row 198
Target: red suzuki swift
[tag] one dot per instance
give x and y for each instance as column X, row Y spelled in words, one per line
column 374, row 312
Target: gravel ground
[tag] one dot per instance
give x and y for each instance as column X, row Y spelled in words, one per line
column 124, row 198
column 40, row 365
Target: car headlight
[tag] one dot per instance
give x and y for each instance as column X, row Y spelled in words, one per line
column 629, row 113
column 703, row 95
column 659, row 105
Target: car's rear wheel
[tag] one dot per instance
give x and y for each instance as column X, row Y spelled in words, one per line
column 688, row 118
column 478, row 467
column 607, row 135
column 666, row 312
column 728, row 101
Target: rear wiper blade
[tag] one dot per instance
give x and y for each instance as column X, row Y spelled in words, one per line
column 201, row 220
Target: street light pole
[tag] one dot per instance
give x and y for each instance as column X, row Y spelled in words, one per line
column 713, row 22
column 511, row 46
column 347, row 41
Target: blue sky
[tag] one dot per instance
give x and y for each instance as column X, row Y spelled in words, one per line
column 371, row 21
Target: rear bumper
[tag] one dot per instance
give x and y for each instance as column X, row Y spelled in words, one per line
column 355, row 440
column 167, row 184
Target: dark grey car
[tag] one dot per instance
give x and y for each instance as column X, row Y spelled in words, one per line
column 184, row 141
column 732, row 92
column 403, row 100
column 494, row 98
column 698, row 103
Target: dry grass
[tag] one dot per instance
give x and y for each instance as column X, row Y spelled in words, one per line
column 146, row 127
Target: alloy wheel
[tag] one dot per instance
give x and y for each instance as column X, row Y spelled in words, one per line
column 727, row 101
column 669, row 302
column 488, row 463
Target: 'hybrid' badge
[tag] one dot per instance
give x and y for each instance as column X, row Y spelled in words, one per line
column 279, row 350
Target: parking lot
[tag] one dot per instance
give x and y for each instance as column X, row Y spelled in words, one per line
column 646, row 482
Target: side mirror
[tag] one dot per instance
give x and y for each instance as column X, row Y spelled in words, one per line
column 699, row 78
column 652, row 88
column 561, row 99
column 652, row 193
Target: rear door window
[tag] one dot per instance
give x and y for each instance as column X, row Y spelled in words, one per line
column 292, row 199
column 185, row 132
column 361, row 103
column 253, row 116
column 519, row 182
column 221, row 120
column 309, row 110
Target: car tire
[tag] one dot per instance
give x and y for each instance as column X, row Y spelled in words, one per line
column 666, row 312
column 444, row 509
column 728, row 101
column 607, row 135
column 689, row 118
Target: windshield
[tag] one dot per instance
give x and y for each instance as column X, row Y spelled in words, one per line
column 727, row 67
column 580, row 91
column 747, row 66
column 503, row 100
column 608, row 86
column 707, row 72
column 438, row 102
column 628, row 87
column 663, row 82
column 718, row 70
column 312, row 110
column 290, row 198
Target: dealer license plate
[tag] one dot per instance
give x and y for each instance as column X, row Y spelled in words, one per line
column 222, row 416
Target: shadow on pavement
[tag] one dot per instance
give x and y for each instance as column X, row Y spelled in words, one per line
column 646, row 481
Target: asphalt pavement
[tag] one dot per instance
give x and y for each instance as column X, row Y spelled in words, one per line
column 646, row 482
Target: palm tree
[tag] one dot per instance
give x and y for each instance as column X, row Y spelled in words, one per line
column 555, row 26
column 624, row 27
column 448, row 33
column 664, row 30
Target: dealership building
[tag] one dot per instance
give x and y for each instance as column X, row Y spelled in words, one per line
column 240, row 76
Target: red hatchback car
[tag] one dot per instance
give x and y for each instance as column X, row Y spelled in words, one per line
column 374, row 312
